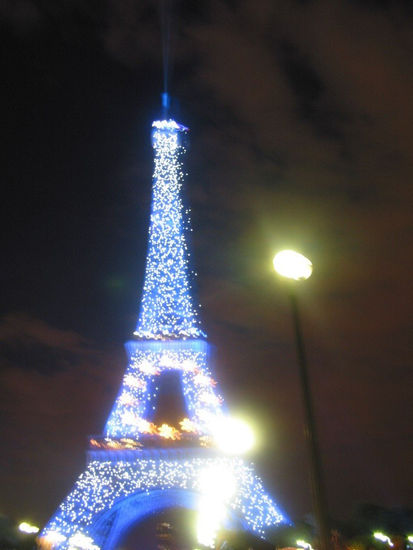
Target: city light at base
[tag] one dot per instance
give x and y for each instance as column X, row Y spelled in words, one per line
column 382, row 537
column 79, row 541
column 292, row 265
column 303, row 544
column 25, row 527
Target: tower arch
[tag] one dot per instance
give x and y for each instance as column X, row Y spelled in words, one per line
column 112, row 526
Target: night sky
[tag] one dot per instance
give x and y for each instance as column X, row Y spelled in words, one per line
column 301, row 120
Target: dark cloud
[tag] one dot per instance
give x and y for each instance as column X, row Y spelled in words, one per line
column 47, row 410
column 22, row 15
column 20, row 328
column 132, row 32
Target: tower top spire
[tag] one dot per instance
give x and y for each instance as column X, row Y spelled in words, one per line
column 167, row 310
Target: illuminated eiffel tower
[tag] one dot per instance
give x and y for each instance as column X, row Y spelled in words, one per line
column 137, row 468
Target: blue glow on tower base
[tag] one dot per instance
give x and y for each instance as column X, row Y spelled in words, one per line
column 146, row 482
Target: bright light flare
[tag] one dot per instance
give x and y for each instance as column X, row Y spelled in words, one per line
column 217, row 485
column 292, row 265
column 303, row 544
column 217, row 481
column 25, row 527
column 232, row 435
column 383, row 538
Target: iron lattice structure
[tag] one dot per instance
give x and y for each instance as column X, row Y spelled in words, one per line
column 137, row 468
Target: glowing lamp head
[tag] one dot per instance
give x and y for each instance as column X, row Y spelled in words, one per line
column 233, row 435
column 292, row 265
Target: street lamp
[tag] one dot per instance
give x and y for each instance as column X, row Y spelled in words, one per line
column 292, row 265
column 296, row 267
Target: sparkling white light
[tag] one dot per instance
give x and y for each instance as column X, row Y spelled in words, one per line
column 105, row 483
column 167, row 310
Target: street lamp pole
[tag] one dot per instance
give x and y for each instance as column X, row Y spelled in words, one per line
column 296, row 267
column 316, row 478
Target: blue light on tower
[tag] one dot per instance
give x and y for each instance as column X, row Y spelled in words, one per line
column 167, row 311
column 135, row 467
column 168, row 334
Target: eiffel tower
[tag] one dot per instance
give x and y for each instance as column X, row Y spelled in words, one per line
column 137, row 468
